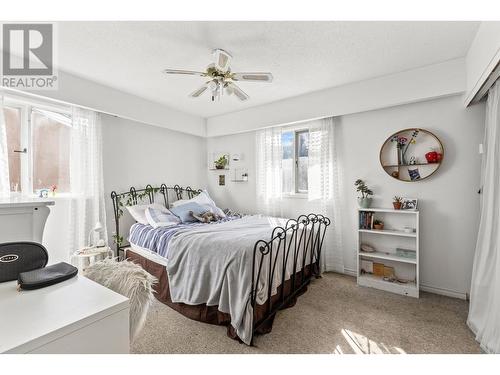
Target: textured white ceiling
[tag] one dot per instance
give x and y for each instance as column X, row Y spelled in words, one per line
column 303, row 56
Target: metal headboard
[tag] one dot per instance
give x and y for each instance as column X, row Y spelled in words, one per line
column 136, row 196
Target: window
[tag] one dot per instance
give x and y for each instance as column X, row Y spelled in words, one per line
column 38, row 142
column 295, row 145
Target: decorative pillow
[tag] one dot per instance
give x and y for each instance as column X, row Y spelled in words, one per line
column 138, row 211
column 179, row 202
column 183, row 211
column 204, row 199
column 161, row 217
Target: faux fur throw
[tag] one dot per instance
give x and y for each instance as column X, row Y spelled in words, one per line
column 129, row 280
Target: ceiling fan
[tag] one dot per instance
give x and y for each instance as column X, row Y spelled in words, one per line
column 221, row 79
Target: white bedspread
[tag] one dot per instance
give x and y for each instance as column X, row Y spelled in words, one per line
column 213, row 265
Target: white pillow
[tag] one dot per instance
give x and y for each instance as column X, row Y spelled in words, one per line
column 204, row 199
column 161, row 217
column 138, row 212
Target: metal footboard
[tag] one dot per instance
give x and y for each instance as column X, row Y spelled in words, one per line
column 293, row 254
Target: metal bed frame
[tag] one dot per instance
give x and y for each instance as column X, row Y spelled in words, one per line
column 299, row 241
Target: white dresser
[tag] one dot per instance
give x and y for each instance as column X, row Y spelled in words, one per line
column 23, row 219
column 75, row 316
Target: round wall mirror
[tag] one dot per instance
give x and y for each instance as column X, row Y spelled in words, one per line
column 411, row 154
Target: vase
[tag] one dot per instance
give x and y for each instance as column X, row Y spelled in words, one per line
column 364, row 202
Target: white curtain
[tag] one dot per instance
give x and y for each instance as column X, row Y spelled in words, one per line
column 4, row 156
column 323, row 182
column 484, row 310
column 324, row 188
column 269, row 173
column 86, row 177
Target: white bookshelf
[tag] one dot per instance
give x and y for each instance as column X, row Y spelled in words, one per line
column 385, row 243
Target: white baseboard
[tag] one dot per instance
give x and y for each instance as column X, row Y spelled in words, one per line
column 425, row 288
column 443, row 291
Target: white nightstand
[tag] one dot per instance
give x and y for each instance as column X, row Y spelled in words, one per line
column 89, row 255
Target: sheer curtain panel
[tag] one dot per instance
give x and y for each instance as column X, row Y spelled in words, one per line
column 484, row 310
column 269, row 171
column 86, row 176
column 4, row 156
column 324, row 188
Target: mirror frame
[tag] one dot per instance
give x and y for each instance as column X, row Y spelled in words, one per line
column 412, row 129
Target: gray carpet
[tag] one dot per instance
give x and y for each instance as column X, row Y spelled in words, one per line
column 334, row 316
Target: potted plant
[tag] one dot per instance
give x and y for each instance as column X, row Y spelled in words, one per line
column 397, row 202
column 364, row 200
column 378, row 224
column 221, row 162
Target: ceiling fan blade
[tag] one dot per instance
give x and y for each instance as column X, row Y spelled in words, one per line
column 252, row 77
column 184, row 72
column 222, row 59
column 200, row 91
column 240, row 94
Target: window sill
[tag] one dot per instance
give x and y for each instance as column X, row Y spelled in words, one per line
column 295, row 196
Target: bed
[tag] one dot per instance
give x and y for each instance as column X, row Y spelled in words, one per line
column 237, row 272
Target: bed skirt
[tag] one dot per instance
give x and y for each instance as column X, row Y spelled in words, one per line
column 211, row 314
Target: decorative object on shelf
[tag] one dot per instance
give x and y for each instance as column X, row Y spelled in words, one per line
column 389, row 272
column 408, row 229
column 366, row 266
column 378, row 269
column 53, row 190
column 221, row 162
column 364, row 201
column 240, row 175
column 236, row 157
column 98, row 228
column 414, row 174
column 378, row 224
column 406, row 253
column 42, row 193
column 222, row 180
column 409, row 204
column 410, row 147
column 397, row 202
column 367, row 248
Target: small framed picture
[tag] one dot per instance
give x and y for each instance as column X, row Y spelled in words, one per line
column 222, row 180
column 409, row 204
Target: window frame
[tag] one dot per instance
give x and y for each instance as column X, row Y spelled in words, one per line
column 26, row 128
column 296, row 193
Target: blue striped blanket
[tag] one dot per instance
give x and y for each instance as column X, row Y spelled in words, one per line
column 157, row 240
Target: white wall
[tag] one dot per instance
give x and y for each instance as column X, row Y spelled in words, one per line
column 482, row 57
column 434, row 81
column 448, row 200
column 137, row 154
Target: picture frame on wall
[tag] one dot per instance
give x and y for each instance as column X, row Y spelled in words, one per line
column 409, row 204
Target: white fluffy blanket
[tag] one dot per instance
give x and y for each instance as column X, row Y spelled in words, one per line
column 129, row 280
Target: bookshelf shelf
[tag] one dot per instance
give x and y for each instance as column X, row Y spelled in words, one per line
column 385, row 242
column 389, row 232
column 387, row 256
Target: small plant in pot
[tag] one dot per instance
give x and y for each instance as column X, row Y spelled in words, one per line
column 364, row 200
column 378, row 224
column 397, row 202
column 221, row 162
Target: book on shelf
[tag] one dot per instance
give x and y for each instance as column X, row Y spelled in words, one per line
column 366, row 219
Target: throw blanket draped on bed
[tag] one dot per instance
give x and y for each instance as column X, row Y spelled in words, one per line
column 212, row 264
